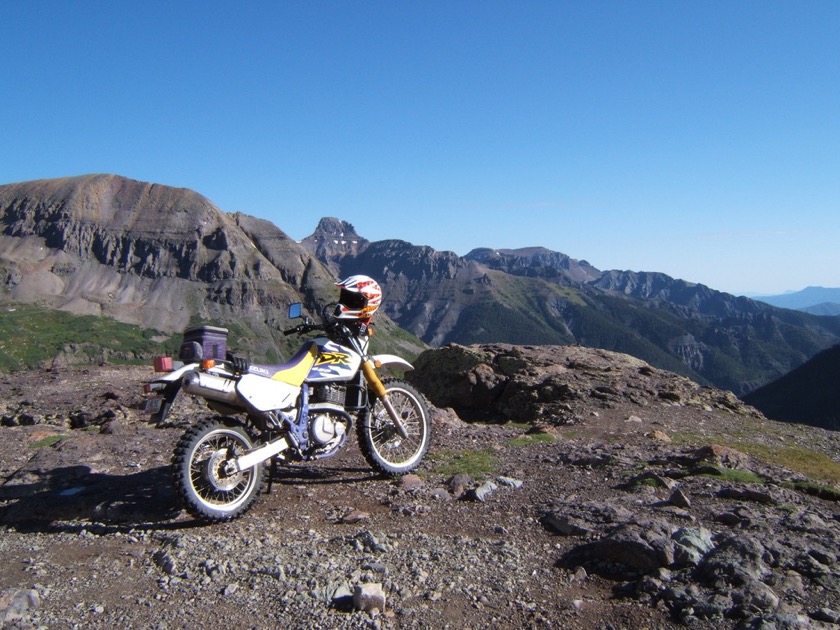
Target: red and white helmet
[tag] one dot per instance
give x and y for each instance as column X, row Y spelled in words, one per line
column 360, row 297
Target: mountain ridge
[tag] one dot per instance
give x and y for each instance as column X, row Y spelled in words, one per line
column 158, row 257
column 713, row 337
column 806, row 395
column 167, row 257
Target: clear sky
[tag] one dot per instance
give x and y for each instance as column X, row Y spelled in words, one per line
column 698, row 139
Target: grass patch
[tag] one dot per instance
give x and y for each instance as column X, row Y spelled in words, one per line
column 473, row 463
column 815, row 489
column 47, row 441
column 727, row 474
column 812, row 464
column 646, row 480
column 529, row 439
column 31, row 336
column 805, row 461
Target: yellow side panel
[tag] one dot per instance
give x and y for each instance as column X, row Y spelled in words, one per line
column 298, row 368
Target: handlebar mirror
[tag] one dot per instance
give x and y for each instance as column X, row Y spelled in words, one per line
column 295, row 310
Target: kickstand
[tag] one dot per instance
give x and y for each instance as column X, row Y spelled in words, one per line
column 271, row 474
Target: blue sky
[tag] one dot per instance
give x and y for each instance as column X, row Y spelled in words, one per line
column 699, row 139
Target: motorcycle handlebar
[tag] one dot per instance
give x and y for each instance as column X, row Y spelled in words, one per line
column 302, row 329
column 330, row 325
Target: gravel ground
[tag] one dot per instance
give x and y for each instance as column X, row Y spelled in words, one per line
column 92, row 536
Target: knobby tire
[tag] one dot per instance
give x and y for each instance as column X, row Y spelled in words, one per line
column 379, row 442
column 206, row 491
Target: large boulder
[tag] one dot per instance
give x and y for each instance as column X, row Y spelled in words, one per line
column 551, row 384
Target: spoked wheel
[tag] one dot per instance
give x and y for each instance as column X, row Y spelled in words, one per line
column 207, row 484
column 383, row 447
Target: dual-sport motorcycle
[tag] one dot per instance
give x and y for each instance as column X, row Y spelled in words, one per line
column 301, row 410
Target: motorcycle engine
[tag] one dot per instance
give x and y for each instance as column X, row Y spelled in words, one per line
column 327, row 429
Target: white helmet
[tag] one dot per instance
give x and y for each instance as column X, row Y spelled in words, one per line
column 360, row 298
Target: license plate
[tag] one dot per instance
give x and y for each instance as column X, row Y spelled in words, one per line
column 153, row 405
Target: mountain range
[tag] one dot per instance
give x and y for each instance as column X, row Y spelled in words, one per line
column 815, row 300
column 166, row 258
column 161, row 258
column 537, row 296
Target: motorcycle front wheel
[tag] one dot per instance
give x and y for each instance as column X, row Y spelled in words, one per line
column 206, row 485
column 382, row 446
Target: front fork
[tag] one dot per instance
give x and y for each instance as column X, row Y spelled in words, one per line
column 379, row 390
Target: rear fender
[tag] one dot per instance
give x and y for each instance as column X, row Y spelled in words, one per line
column 167, row 386
column 176, row 375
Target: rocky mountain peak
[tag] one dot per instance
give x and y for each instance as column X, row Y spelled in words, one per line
column 334, row 238
column 331, row 227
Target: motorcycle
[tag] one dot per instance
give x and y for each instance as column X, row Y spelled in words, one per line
column 301, row 410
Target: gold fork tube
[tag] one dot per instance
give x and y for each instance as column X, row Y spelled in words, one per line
column 379, row 390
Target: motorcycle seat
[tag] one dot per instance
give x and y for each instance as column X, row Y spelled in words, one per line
column 295, row 370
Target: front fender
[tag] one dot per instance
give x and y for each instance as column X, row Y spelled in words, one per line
column 391, row 359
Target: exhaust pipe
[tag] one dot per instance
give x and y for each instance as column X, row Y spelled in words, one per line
column 210, row 386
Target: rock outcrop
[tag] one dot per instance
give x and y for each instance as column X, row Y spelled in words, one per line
column 554, row 385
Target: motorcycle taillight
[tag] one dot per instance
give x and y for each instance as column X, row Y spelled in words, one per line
column 163, row 364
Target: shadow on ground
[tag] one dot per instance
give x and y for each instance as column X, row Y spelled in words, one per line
column 48, row 501
column 62, row 498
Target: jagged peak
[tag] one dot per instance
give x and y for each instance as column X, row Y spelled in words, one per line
column 332, row 228
column 332, row 239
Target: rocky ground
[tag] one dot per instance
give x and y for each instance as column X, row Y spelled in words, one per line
column 634, row 499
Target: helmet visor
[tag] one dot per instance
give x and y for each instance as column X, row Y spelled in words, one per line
column 352, row 300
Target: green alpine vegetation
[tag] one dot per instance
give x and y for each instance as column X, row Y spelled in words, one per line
column 31, row 337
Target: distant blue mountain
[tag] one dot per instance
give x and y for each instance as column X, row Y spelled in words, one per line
column 826, row 308
column 814, row 300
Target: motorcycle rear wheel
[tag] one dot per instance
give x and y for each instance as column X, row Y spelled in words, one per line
column 383, row 448
column 207, row 490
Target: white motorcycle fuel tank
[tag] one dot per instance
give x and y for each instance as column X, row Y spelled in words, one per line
column 334, row 362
